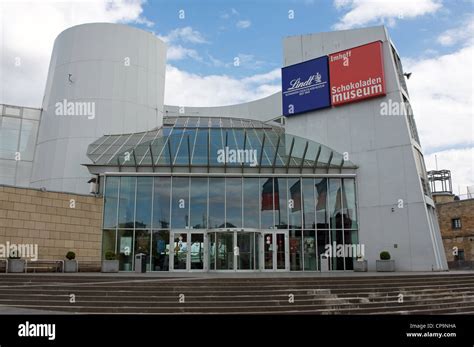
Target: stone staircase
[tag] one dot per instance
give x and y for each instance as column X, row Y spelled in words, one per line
column 446, row 293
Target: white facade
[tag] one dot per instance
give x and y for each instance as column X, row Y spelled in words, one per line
column 119, row 72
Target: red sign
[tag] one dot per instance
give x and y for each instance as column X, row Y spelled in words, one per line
column 356, row 74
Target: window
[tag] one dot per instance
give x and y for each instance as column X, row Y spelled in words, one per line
column 456, row 223
column 460, row 255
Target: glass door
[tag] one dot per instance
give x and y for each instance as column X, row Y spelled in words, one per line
column 188, row 251
column 275, row 250
column 246, row 251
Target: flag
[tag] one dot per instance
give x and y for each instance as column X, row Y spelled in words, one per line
column 270, row 199
column 295, row 192
column 321, row 188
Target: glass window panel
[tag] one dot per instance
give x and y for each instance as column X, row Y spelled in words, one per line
column 108, row 242
column 216, row 202
column 322, row 220
column 144, row 202
column 337, row 260
column 335, row 203
column 9, row 135
column 281, row 194
column 309, row 250
column 234, row 202
column 251, row 202
column 184, row 154
column 161, row 202
column 349, row 204
column 160, row 250
column 13, row 111
column 350, row 244
column 308, row 203
column 198, row 202
column 179, row 202
column 323, row 243
column 180, row 247
column 296, row 259
column 111, row 202
column 142, row 245
column 216, row 144
column 197, row 251
column 125, row 250
column 29, row 130
column 269, row 202
column 126, row 202
column 31, row 113
column 294, row 191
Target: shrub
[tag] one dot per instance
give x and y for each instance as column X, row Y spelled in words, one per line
column 70, row 255
column 109, row 255
column 384, row 255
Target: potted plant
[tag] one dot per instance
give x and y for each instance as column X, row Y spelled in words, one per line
column 385, row 264
column 360, row 264
column 15, row 263
column 70, row 264
column 110, row 264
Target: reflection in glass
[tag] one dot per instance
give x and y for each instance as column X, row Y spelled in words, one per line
column 309, row 250
column 180, row 247
column 225, row 251
column 280, row 251
column 281, row 214
column 337, row 257
column 335, row 203
column 212, row 250
column 268, row 201
column 142, row 245
column 323, row 241
column 233, row 202
column 144, row 198
column 161, row 250
column 296, row 260
column 126, row 202
column 247, row 244
column 161, row 202
column 349, row 204
column 294, row 188
column 125, row 249
column 216, row 202
column 251, row 202
column 197, row 251
column 198, row 202
column 268, row 248
column 111, row 201
column 321, row 185
column 179, row 202
column 308, row 203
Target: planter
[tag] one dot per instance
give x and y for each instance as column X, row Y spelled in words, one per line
column 70, row 266
column 110, row 265
column 385, row 265
column 16, row 265
column 360, row 265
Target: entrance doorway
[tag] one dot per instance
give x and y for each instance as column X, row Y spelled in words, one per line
column 188, row 251
column 275, row 250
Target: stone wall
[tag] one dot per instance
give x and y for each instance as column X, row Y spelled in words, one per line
column 461, row 238
column 50, row 220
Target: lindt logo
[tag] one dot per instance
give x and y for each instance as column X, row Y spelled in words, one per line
column 297, row 83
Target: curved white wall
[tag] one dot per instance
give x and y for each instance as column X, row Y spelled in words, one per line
column 116, row 69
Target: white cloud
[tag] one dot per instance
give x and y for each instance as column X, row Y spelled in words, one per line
column 28, row 32
column 179, row 52
column 441, row 94
column 461, row 164
column 184, row 88
column 186, row 35
column 363, row 12
column 461, row 34
column 243, row 24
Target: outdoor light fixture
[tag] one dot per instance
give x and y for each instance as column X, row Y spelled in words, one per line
column 407, row 75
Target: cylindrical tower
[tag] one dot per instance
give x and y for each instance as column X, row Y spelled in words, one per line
column 103, row 78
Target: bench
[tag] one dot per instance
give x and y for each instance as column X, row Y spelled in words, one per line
column 44, row 265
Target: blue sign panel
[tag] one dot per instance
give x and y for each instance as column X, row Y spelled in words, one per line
column 305, row 86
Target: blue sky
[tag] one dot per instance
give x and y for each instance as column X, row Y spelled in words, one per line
column 268, row 24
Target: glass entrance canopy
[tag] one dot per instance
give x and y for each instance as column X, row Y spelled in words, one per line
column 201, row 144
